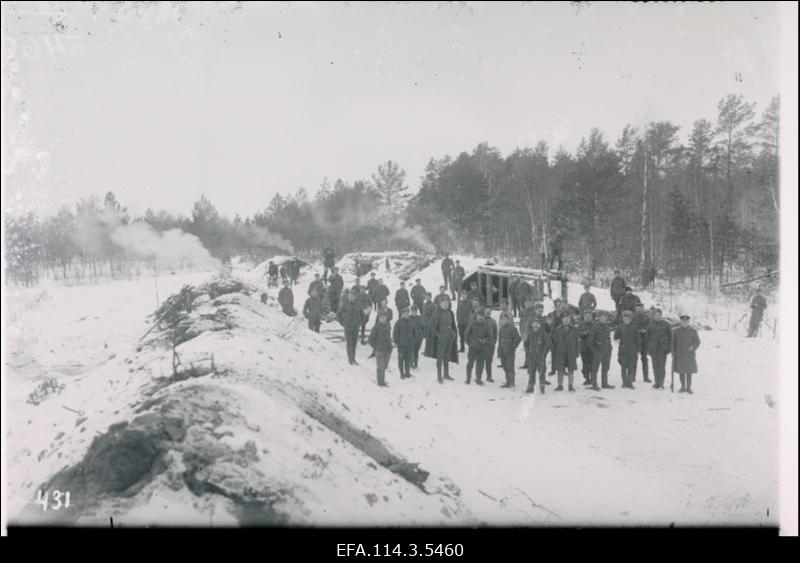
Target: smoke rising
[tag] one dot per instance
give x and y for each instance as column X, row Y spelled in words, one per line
column 142, row 240
column 262, row 236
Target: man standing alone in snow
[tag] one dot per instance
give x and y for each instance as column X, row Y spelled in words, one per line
column 328, row 260
column 447, row 270
column 757, row 307
column 685, row 342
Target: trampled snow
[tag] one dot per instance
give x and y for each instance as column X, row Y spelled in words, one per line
column 282, row 429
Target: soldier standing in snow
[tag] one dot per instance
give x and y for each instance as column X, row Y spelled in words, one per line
column 600, row 342
column 617, row 291
column 366, row 309
column 403, row 336
column 401, row 297
column 587, row 301
column 642, row 322
column 442, row 296
column 428, row 309
column 629, row 301
column 335, row 289
column 513, row 286
column 629, row 345
column 441, row 341
column 565, row 349
column 584, row 330
column 286, row 300
column 272, row 272
column 328, row 260
column 419, row 334
column 474, row 293
column 447, row 270
column 489, row 357
column 685, row 342
column 463, row 318
column 659, row 344
column 382, row 292
column 418, row 294
column 537, row 343
column 508, row 340
column 479, row 336
column 316, row 285
column 372, row 290
column 312, row 310
column 381, row 341
column 350, row 316
column 457, row 279
column 556, row 246
column 757, row 307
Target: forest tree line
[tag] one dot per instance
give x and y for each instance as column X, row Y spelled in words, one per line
column 699, row 212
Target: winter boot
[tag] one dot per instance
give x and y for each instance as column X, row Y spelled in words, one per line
column 683, row 383
column 478, row 382
column 571, row 388
column 606, row 386
column 529, row 389
column 689, row 383
column 560, row 388
column 541, row 389
column 595, row 388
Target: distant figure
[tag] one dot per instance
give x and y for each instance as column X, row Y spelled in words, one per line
column 651, row 276
column 757, row 307
column 419, row 334
column 441, row 341
column 372, row 290
column 349, row 316
column 335, row 288
column 388, row 265
column 629, row 344
column 565, row 350
column 457, row 279
column 685, row 342
column 617, row 291
column 537, row 344
column 381, row 341
column 587, row 301
column 264, row 298
column 312, row 310
column 479, row 338
column 447, row 271
column 642, row 321
column 272, row 273
column 401, row 298
column 600, row 342
column 316, row 285
column 328, row 260
column 508, row 340
column 418, row 294
column 286, row 300
column 556, row 246
column 442, row 296
column 284, row 271
column 404, row 336
column 513, row 286
column 629, row 301
column 294, row 271
column 584, row 329
column 659, row 344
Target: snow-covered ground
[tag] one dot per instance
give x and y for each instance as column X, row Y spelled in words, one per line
column 285, row 414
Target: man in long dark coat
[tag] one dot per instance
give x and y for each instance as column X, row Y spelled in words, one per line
column 372, row 290
column 463, row 318
column 350, row 315
column 587, row 300
column 479, row 337
column 685, row 342
column 312, row 310
column 659, row 344
column 537, row 343
column 328, row 260
column 457, row 279
column 757, row 307
column 600, row 340
column 418, row 294
column 565, row 349
column 618, row 286
column 335, row 288
column 286, row 300
column 401, row 298
column 419, row 334
column 629, row 344
column 403, row 335
column 381, row 341
column 508, row 340
column 441, row 340
column 447, row 270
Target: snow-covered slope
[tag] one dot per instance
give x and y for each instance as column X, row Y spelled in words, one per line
column 281, row 429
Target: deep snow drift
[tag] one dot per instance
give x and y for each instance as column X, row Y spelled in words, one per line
column 266, row 423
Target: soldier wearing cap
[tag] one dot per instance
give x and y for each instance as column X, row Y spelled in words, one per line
column 629, row 344
column 685, row 342
column 587, row 301
column 659, row 344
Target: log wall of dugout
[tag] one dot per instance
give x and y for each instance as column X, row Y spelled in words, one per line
column 494, row 285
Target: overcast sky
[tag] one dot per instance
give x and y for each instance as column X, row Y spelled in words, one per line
column 161, row 103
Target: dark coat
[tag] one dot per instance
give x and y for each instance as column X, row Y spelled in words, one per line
column 479, row 335
column 758, row 302
column 629, row 302
column 401, row 299
column 428, row 309
column 476, row 294
column 537, row 344
column 312, row 309
column 403, row 333
column 508, row 339
column 617, row 287
column 382, row 292
column 513, row 286
column 587, row 302
column 418, row 293
column 464, row 312
column 286, row 300
column 629, row 340
column 380, row 339
column 600, row 338
column 458, row 276
column 685, row 341
column 524, row 291
column 659, row 337
column 437, row 299
column 329, row 257
column 447, row 266
column 316, row 284
column 419, row 328
column 584, row 329
column 372, row 288
column 443, row 325
column 386, row 311
column 350, row 314
column 336, row 284
column 493, row 326
column 566, row 346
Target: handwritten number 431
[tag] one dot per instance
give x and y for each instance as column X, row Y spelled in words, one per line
column 60, row 499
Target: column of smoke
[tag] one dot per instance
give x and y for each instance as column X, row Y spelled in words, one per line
column 261, row 236
column 356, row 217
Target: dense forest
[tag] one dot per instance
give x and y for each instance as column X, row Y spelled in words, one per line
column 699, row 212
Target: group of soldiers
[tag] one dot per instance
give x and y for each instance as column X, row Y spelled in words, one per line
column 288, row 272
column 564, row 335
